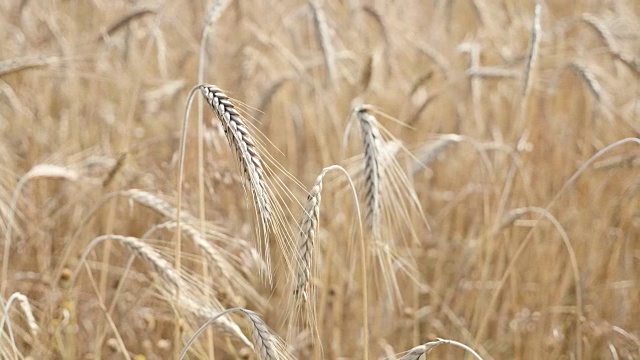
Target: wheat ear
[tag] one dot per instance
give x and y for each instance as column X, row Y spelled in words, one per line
column 308, row 230
column 417, row 352
column 246, row 151
column 233, row 280
column 431, row 152
column 371, row 140
column 265, row 343
column 179, row 288
column 320, row 21
column 262, row 337
column 589, row 78
column 38, row 171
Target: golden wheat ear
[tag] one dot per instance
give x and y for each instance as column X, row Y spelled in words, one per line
column 229, row 278
column 308, row 231
column 243, row 145
column 247, row 155
column 261, row 174
column 372, row 141
column 265, row 343
column 177, row 286
column 392, row 206
column 420, row 352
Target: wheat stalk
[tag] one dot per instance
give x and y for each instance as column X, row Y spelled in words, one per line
column 153, row 202
column 387, row 192
column 307, row 236
column 38, row 171
column 533, row 50
column 23, row 301
column 25, row 306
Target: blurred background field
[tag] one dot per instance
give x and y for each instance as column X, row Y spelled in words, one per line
column 520, row 260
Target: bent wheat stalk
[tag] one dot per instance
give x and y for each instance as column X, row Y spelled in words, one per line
column 308, row 230
column 38, row 171
column 25, row 306
column 482, row 330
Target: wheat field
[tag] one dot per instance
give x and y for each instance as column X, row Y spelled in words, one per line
column 219, row 179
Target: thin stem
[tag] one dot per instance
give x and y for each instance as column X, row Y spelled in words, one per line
column 363, row 262
column 460, row 345
column 178, row 243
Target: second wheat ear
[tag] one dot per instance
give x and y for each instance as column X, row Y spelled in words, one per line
column 371, row 139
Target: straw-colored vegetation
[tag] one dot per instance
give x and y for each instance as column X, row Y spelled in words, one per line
column 320, row 179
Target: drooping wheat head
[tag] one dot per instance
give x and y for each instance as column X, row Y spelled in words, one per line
column 242, row 143
column 266, row 344
column 371, row 140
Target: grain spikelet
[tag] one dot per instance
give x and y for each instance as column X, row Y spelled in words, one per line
column 320, row 21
